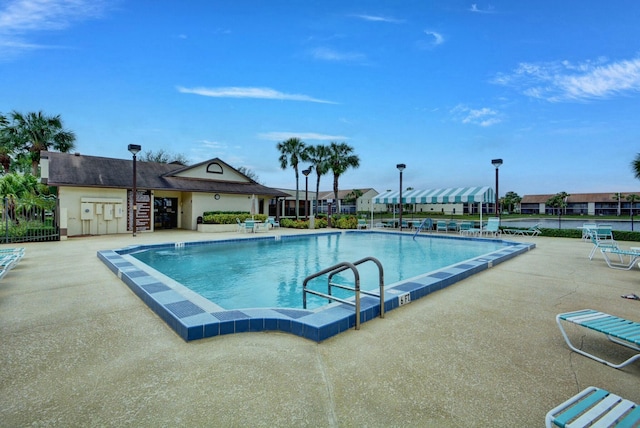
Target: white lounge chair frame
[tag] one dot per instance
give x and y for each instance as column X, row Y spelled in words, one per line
column 594, row 406
column 617, row 330
column 531, row 231
column 601, row 243
column 633, row 256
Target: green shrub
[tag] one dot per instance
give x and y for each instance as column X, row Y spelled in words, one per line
column 302, row 224
column 229, row 217
column 345, row 222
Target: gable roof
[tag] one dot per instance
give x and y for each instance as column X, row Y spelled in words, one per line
column 342, row 194
column 93, row 171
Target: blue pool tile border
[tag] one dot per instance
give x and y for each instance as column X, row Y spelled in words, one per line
column 192, row 322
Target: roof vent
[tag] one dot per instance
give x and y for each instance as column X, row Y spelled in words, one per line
column 76, row 154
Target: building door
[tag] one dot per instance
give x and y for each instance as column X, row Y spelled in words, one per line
column 165, row 213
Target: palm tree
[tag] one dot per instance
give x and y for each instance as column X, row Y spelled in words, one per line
column 341, row 158
column 633, row 198
column 559, row 201
column 292, row 151
column 7, row 147
column 319, row 158
column 35, row 132
column 635, row 165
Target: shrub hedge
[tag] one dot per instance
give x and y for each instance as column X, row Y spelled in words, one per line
column 229, row 217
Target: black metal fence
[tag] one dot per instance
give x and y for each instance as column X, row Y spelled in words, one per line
column 31, row 219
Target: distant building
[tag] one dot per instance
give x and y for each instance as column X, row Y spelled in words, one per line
column 613, row 203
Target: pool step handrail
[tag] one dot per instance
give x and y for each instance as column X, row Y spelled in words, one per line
column 368, row 293
column 341, row 267
column 420, row 227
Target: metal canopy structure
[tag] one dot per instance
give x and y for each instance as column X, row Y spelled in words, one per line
column 452, row 195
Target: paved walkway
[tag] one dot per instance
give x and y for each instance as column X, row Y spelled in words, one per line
column 78, row 348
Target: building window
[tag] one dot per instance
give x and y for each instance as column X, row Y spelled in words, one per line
column 214, row 168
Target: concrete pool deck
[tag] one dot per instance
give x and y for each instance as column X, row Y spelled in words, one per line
column 80, row 349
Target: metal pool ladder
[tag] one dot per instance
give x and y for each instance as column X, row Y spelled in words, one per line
column 341, row 267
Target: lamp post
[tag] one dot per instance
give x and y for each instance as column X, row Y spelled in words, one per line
column 134, row 149
column 306, row 173
column 401, row 168
column 497, row 163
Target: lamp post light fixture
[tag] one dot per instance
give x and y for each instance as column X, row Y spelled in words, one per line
column 497, row 163
column 306, row 173
column 401, row 168
column 134, row 149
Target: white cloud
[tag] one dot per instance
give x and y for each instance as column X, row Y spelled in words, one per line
column 482, row 117
column 304, row 136
column 565, row 81
column 438, row 39
column 375, row 18
column 327, row 54
column 20, row 19
column 249, row 92
column 474, row 8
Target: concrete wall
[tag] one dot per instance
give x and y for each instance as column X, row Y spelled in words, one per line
column 71, row 200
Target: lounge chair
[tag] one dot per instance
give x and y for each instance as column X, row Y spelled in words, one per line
column 239, row 225
column 586, row 229
column 259, row 226
column 249, row 226
column 632, row 254
column 493, row 227
column 9, row 258
column 452, row 226
column 601, row 243
column 465, row 228
column 531, row 231
column 617, row 330
column 594, row 405
column 273, row 223
column 441, row 226
column 362, row 223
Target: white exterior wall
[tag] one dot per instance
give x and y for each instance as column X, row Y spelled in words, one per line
column 71, row 200
column 364, row 202
column 437, row 208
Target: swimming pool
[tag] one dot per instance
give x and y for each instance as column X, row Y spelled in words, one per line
column 270, row 273
column 194, row 317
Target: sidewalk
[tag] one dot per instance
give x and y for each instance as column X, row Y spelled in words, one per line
column 80, row 349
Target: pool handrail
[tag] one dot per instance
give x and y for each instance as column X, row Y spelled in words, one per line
column 345, row 265
column 368, row 293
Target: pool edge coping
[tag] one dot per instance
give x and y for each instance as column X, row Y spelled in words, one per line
column 191, row 322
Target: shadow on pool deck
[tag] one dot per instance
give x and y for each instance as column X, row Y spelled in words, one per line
column 80, row 349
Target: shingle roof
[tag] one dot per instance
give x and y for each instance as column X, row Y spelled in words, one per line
column 94, row 171
column 577, row 197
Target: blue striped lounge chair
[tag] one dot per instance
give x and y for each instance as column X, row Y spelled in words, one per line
column 594, row 407
column 599, row 242
column 493, row 227
column 631, row 253
column 441, row 226
column 465, row 227
column 617, row 330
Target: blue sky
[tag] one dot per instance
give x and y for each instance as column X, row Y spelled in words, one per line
column 552, row 87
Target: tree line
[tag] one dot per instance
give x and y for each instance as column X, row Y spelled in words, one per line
column 336, row 157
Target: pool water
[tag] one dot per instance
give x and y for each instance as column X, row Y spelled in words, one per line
column 270, row 273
